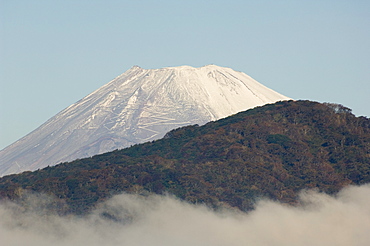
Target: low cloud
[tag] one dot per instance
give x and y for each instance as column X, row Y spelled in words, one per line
column 343, row 219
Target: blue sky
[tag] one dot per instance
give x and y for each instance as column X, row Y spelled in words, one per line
column 53, row 53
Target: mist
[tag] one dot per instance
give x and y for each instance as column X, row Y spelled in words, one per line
column 320, row 219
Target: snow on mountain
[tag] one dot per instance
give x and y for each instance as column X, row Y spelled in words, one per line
column 138, row 106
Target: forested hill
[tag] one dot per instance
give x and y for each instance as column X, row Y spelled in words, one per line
column 271, row 151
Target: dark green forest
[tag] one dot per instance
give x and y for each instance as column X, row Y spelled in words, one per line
column 273, row 151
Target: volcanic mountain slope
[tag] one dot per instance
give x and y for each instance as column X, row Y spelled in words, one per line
column 272, row 151
column 138, row 106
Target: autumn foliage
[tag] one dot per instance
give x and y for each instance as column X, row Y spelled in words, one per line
column 272, row 151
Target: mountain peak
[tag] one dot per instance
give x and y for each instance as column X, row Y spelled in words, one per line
column 139, row 105
column 185, row 67
column 136, row 67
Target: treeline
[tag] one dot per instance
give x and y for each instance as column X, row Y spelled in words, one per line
column 271, row 151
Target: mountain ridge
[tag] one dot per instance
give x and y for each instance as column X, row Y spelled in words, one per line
column 272, row 151
column 137, row 106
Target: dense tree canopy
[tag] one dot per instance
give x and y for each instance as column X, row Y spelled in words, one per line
column 271, row 151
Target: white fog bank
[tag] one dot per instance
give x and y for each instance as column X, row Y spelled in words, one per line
column 338, row 220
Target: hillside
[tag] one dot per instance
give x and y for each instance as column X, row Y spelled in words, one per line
column 271, row 151
column 138, row 106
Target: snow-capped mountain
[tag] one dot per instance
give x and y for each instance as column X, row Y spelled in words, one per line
column 138, row 106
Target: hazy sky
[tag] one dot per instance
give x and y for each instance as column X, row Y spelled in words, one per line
column 53, row 53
